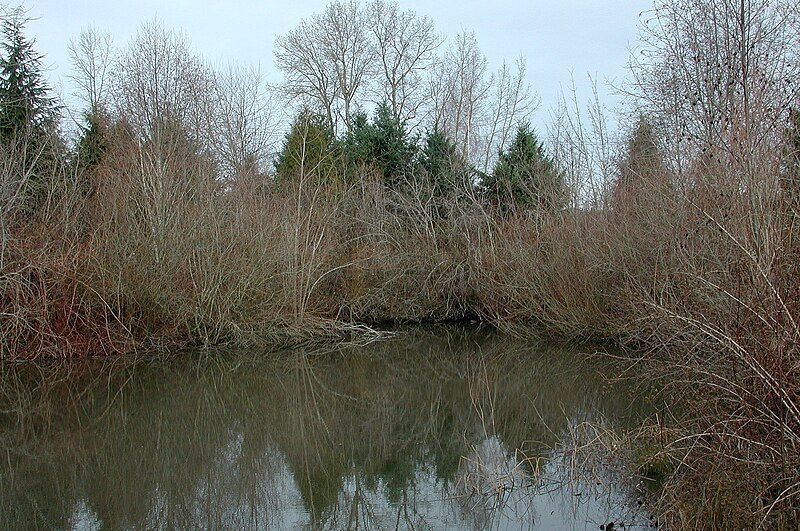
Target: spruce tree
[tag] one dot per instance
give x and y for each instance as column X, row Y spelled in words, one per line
column 384, row 143
column 28, row 114
column 309, row 148
column 442, row 164
column 92, row 141
column 525, row 177
column 359, row 141
column 26, row 106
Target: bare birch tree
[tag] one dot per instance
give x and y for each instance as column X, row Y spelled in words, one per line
column 245, row 121
column 91, row 55
column 458, row 88
column 405, row 44
column 349, row 46
column 510, row 104
column 162, row 85
column 309, row 74
column 582, row 146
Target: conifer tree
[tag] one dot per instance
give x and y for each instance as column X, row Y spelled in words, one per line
column 28, row 114
column 525, row 176
column 384, row 143
column 26, row 106
column 309, row 149
column 92, row 141
column 358, row 143
column 442, row 163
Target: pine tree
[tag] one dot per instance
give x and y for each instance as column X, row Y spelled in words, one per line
column 309, row 149
column 525, row 177
column 384, row 143
column 442, row 164
column 26, row 106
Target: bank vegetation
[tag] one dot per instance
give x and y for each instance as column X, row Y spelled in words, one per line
column 410, row 188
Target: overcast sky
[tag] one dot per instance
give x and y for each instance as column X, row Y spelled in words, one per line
column 559, row 38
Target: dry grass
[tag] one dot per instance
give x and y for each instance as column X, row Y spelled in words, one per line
column 697, row 272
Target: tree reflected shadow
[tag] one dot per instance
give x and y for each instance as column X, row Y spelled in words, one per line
column 437, row 428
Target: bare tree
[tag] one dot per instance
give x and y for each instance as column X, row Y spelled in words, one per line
column 309, row 74
column 245, row 121
column 405, row 44
column 510, row 104
column 438, row 93
column 328, row 60
column 583, row 149
column 164, row 94
column 161, row 85
column 91, row 56
column 722, row 74
column 458, row 87
column 348, row 44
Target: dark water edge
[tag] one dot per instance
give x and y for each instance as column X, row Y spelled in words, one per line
column 437, row 428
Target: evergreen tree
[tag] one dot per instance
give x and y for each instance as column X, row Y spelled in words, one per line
column 442, row 164
column 525, row 176
column 309, row 148
column 92, row 141
column 360, row 139
column 642, row 167
column 384, row 143
column 28, row 114
column 26, row 106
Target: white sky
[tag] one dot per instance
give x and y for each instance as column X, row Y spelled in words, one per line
column 561, row 39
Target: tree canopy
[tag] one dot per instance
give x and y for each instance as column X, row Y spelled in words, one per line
column 442, row 164
column 308, row 149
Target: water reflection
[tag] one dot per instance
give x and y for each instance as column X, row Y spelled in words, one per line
column 438, row 428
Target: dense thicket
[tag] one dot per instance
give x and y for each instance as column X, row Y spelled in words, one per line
column 408, row 189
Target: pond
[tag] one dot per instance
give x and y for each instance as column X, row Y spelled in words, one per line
column 435, row 428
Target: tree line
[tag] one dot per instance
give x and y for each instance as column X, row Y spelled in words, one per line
column 410, row 187
column 439, row 120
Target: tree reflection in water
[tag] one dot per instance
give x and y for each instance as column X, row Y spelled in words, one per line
column 437, row 428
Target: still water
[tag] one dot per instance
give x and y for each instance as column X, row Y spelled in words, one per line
column 437, row 428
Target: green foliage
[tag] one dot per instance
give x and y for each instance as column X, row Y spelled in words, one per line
column 653, row 462
column 526, row 177
column 384, row 143
column 92, row 143
column 28, row 114
column 442, row 165
column 25, row 103
column 309, row 149
column 359, row 141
